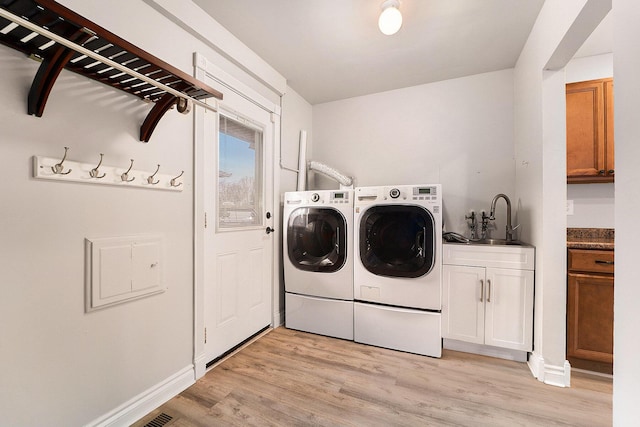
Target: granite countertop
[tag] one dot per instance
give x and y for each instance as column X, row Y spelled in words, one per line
column 590, row 238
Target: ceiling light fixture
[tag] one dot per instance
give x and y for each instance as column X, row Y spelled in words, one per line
column 390, row 19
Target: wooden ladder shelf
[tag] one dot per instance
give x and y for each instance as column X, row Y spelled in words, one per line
column 107, row 58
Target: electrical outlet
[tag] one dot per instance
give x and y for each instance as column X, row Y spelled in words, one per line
column 569, row 207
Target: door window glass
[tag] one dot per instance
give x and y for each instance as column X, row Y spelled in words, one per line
column 239, row 174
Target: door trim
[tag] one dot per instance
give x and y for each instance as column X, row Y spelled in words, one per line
column 204, row 70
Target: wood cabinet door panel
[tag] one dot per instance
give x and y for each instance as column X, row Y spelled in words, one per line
column 585, row 129
column 608, row 127
column 590, row 145
column 590, row 317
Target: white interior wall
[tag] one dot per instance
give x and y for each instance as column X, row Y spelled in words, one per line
column 76, row 365
column 457, row 132
column 83, row 368
column 593, row 204
column 296, row 116
column 58, row 356
column 540, row 140
column 626, row 346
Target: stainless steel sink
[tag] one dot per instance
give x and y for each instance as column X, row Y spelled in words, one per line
column 499, row 242
column 492, row 242
column 456, row 238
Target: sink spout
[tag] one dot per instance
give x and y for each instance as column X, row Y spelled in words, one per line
column 493, row 212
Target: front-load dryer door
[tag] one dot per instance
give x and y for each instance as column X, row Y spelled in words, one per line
column 316, row 239
column 397, row 240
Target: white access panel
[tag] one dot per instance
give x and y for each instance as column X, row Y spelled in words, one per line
column 333, row 318
column 120, row 269
column 413, row 331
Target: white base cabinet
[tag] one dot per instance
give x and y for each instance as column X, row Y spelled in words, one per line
column 487, row 303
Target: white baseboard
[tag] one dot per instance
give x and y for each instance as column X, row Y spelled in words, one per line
column 200, row 364
column 136, row 408
column 559, row 376
column 485, row 350
column 278, row 318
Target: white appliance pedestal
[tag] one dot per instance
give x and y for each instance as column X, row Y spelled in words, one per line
column 323, row 316
column 397, row 328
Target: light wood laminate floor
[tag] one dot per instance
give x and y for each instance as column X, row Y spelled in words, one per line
column 291, row 378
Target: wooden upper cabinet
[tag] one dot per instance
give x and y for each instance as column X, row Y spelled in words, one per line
column 590, row 131
column 608, row 127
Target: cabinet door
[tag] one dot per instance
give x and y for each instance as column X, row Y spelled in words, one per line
column 590, row 317
column 463, row 303
column 585, row 130
column 509, row 309
column 608, row 127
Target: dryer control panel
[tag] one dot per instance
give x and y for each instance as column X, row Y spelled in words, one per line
column 320, row 197
column 425, row 194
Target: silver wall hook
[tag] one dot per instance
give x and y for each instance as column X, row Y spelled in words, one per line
column 95, row 172
column 150, row 180
column 125, row 175
column 173, row 180
column 59, row 167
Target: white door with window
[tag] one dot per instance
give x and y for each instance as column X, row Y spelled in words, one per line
column 238, row 239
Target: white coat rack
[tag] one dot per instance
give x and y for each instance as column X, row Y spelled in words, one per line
column 97, row 173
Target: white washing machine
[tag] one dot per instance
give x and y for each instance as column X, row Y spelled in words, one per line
column 398, row 267
column 318, row 262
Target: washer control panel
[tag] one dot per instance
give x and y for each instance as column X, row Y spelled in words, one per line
column 426, row 192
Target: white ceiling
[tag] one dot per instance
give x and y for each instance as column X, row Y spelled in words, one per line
column 332, row 49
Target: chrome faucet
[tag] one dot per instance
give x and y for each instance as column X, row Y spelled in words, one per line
column 493, row 213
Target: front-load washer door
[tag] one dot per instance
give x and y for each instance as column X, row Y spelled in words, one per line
column 316, row 239
column 397, row 240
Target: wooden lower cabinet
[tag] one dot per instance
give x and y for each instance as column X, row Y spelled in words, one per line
column 590, row 310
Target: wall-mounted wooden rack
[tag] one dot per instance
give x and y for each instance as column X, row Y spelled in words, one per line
column 60, row 38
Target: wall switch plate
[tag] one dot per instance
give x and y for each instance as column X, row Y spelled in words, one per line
column 569, row 207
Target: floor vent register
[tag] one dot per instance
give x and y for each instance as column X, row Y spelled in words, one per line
column 159, row 421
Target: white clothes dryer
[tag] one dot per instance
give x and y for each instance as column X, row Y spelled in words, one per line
column 318, row 262
column 398, row 267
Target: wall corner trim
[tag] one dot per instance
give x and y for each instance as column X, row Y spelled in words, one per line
column 558, row 376
column 139, row 406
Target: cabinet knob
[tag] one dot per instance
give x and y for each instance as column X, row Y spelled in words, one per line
column 601, row 172
column 611, row 172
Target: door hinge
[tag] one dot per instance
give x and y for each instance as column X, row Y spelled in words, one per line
column 205, row 335
column 205, row 220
